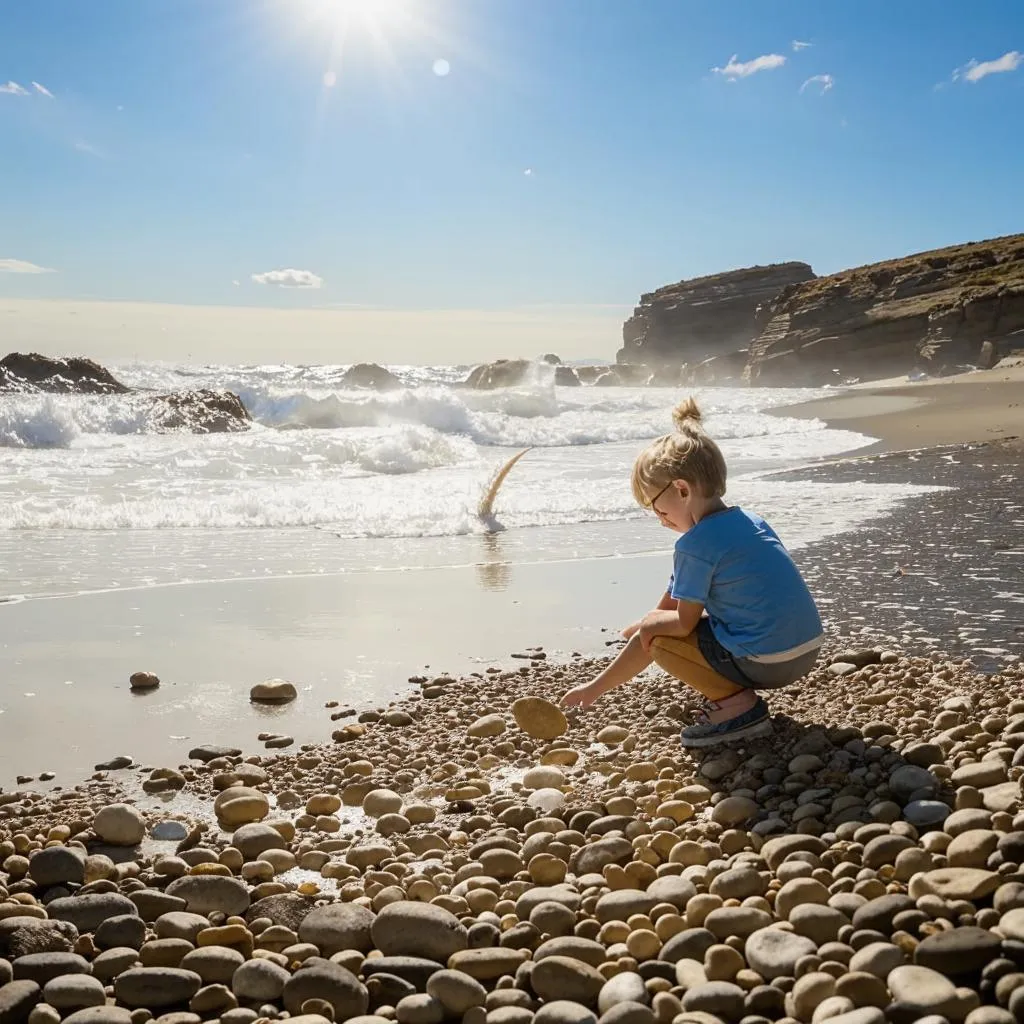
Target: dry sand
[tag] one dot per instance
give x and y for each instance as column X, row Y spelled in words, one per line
column 984, row 406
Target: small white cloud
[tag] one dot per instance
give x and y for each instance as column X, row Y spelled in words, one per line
column 236, row 283
column 13, row 89
column 289, row 278
column 10, row 266
column 825, row 81
column 743, row 69
column 799, row 44
column 42, row 90
column 973, row 71
column 528, row 172
column 87, row 147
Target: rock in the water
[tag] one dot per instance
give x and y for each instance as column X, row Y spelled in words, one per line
column 76, row 375
column 203, row 411
column 143, row 681
column 539, row 718
column 273, row 691
column 120, row 825
column 211, row 752
column 370, row 375
column 423, row 930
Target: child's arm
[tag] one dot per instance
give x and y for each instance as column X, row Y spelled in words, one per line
column 629, row 662
column 681, row 621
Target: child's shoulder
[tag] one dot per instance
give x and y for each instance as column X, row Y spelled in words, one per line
column 724, row 530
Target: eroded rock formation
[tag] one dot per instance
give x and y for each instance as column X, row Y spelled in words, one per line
column 705, row 317
column 936, row 312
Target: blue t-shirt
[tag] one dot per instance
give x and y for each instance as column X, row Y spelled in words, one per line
column 759, row 607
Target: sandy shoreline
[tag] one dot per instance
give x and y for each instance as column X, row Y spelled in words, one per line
column 984, row 406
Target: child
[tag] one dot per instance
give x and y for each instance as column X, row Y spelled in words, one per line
column 737, row 616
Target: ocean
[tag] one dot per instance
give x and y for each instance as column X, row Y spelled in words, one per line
column 337, row 542
column 85, row 479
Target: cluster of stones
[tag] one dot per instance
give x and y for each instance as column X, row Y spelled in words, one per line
column 462, row 859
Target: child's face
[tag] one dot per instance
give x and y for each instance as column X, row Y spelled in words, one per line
column 675, row 506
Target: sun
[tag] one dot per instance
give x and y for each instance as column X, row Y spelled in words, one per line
column 377, row 18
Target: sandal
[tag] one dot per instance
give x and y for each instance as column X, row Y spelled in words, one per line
column 755, row 721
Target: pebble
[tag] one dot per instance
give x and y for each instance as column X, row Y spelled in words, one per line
column 418, row 929
column 120, row 825
column 156, row 987
column 539, row 718
column 338, row 926
column 774, row 954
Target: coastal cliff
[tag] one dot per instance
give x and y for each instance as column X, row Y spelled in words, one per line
column 933, row 312
column 683, row 325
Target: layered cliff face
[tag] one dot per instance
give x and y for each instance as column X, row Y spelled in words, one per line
column 705, row 317
column 934, row 312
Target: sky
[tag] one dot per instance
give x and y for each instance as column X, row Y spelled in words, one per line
column 457, row 180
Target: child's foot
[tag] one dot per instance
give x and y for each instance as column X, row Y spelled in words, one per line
column 752, row 722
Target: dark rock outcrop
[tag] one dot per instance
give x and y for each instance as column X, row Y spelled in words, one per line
column 704, row 317
column 31, row 372
column 936, row 312
column 200, row 412
column 510, row 373
column 370, row 375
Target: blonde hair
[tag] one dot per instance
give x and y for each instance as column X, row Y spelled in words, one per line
column 687, row 454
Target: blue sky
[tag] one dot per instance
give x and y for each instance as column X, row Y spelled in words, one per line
column 576, row 152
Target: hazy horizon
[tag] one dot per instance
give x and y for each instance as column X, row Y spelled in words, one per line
column 124, row 331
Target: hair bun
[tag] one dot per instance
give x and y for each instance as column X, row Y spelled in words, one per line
column 687, row 412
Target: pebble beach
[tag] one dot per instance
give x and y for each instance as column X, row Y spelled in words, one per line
column 469, row 853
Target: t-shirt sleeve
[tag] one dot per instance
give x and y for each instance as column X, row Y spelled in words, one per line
column 691, row 579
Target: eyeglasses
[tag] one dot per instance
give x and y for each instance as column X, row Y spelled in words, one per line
column 653, row 507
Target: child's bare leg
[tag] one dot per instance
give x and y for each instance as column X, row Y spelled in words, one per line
column 682, row 658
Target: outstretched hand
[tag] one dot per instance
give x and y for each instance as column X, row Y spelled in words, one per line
column 579, row 696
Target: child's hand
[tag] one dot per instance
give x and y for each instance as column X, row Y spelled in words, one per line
column 630, row 631
column 579, row 696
